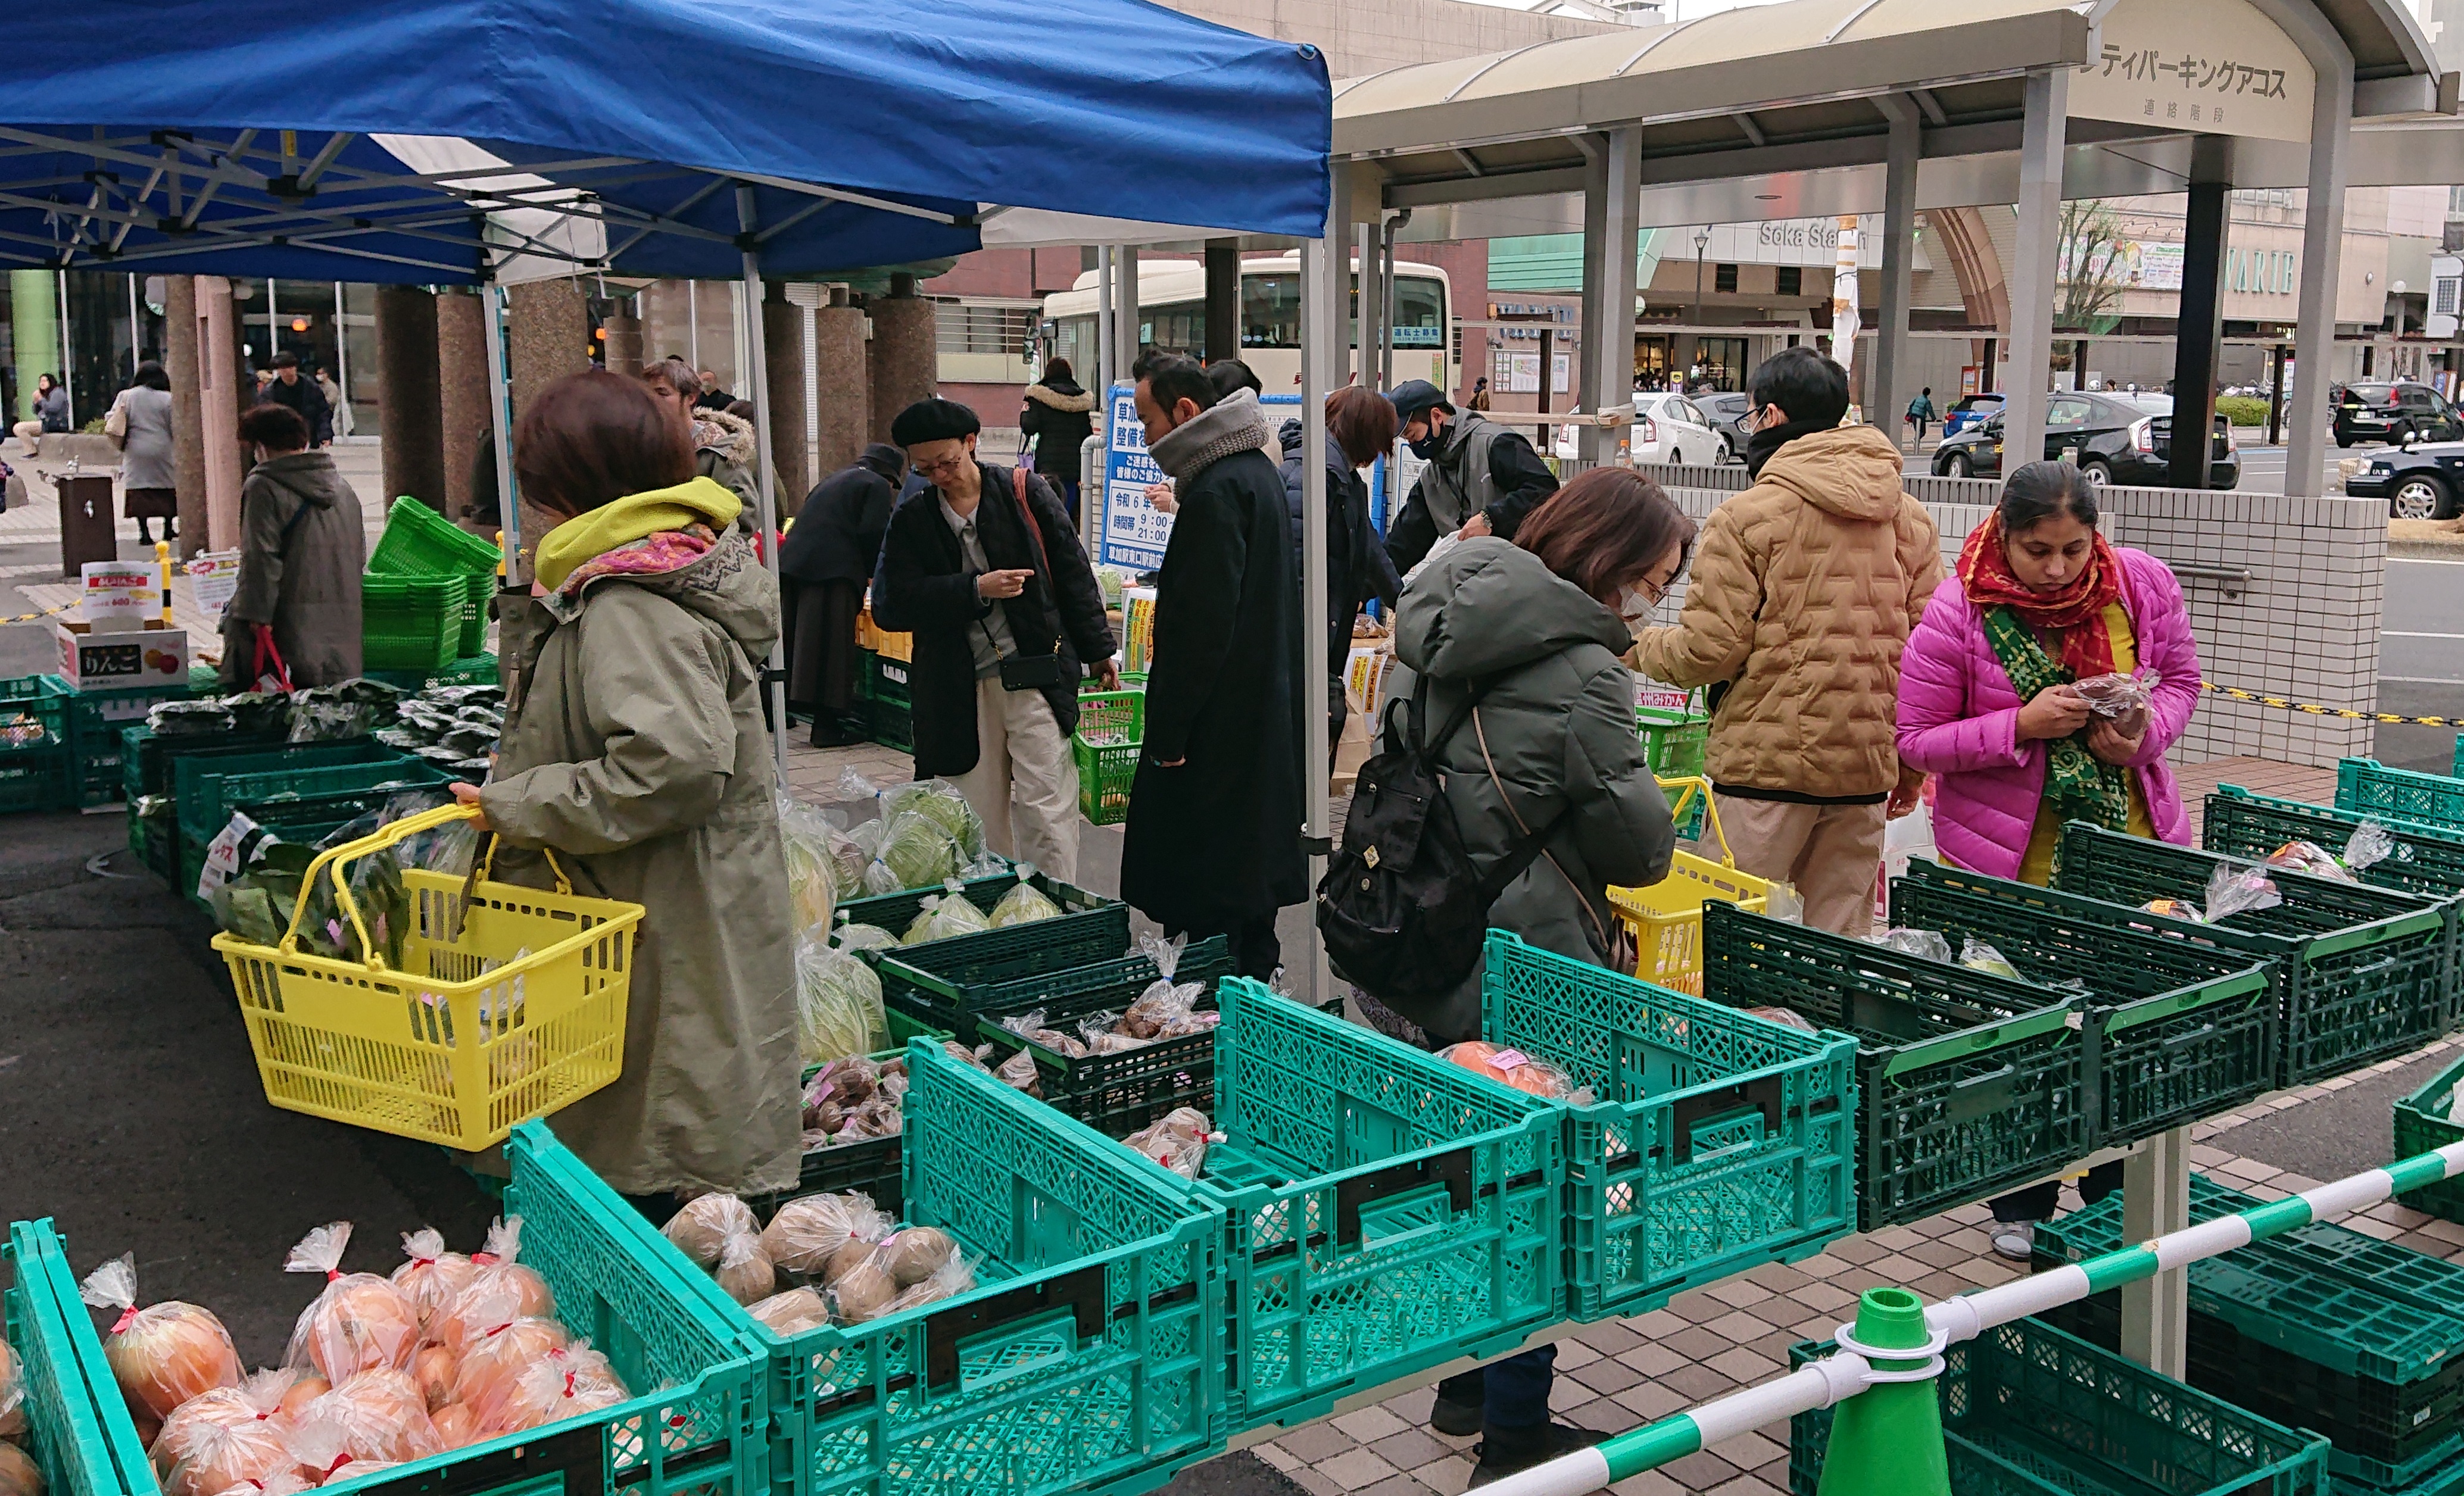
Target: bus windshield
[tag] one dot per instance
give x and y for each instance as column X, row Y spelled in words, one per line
column 1270, row 312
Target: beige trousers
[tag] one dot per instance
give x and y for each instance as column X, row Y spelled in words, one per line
column 1831, row 853
column 1026, row 780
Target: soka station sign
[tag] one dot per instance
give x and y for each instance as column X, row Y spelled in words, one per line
column 2213, row 67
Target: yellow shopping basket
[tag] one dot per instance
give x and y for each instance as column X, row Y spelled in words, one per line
column 1667, row 918
column 509, row 1005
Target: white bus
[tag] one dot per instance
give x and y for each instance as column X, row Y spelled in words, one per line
column 1171, row 314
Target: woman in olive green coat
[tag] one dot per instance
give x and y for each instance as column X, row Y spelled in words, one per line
column 638, row 754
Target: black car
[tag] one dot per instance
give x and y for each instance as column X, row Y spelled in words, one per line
column 1727, row 413
column 2113, row 439
column 2396, row 412
column 2422, row 481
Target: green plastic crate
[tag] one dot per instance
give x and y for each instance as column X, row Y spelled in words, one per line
column 2368, row 787
column 97, row 720
column 65, row 1434
column 1113, row 1094
column 2428, row 861
column 1674, row 742
column 205, row 787
column 2457, row 769
column 1966, row 1083
column 1386, row 1211
column 2364, row 974
column 940, row 981
column 1717, row 1141
column 1111, row 732
column 147, row 760
column 696, row 1424
column 473, row 670
column 2029, row 1411
column 2421, row 1124
column 478, row 611
column 2178, row 1030
column 418, row 541
column 36, row 716
column 886, row 680
column 411, row 622
column 880, row 908
column 1089, row 1358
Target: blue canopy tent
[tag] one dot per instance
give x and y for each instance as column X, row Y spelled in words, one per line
column 475, row 141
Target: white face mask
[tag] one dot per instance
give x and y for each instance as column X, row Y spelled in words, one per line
column 1634, row 605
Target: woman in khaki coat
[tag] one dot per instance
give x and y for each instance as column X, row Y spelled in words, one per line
column 638, row 755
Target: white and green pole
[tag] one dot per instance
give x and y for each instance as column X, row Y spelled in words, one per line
column 1896, row 1357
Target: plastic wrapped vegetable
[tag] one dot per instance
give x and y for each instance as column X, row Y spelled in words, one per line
column 939, row 800
column 745, row 1272
column 1509, row 1066
column 19, row 1474
column 563, row 1384
column 943, row 917
column 838, row 1004
column 1030, row 1026
column 1785, row 1018
column 916, row 852
column 2367, row 846
column 792, row 1312
column 434, row 1276
column 13, row 1393
column 225, row 1455
column 1977, row 955
column 502, row 1290
column 256, row 1400
column 434, row 1369
column 492, row 1363
column 380, row 1415
column 2235, row 890
column 2309, row 857
column 849, row 936
column 323, row 1452
column 360, row 1323
column 2115, row 696
column 2175, row 909
column 701, row 1228
column 811, row 1229
column 1178, row 1140
column 956, row 1275
column 165, row 1353
column 811, row 879
column 1023, row 904
column 1923, row 944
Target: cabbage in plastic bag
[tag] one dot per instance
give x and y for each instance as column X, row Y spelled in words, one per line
column 838, row 1005
column 939, row 800
column 1023, row 904
column 1977, row 955
column 916, row 852
column 811, row 877
column 944, row 916
column 1923, row 944
column 853, row 936
column 2369, row 845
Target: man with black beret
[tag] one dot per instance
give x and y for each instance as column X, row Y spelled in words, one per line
column 1481, row 478
column 984, row 568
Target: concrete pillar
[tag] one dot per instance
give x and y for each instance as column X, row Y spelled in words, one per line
column 549, row 326
column 906, row 354
column 842, row 383
column 2156, row 1202
column 1222, row 299
column 1612, row 247
column 411, row 413
column 34, row 328
column 1126, row 312
column 2198, row 337
column 2031, row 281
column 2323, row 251
column 1886, row 385
column 783, row 344
column 623, row 344
column 462, row 392
column 188, row 431
column 1368, row 300
column 219, row 397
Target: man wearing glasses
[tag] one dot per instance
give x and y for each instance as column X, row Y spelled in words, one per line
column 984, row 566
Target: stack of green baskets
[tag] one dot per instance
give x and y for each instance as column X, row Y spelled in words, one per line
column 420, row 543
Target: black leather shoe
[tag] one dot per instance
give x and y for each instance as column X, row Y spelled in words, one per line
column 1507, row 1451
column 1461, row 1419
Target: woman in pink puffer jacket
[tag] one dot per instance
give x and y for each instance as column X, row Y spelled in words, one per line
column 2042, row 600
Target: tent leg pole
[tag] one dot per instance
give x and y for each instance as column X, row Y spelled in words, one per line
column 1324, row 355
column 508, row 512
column 757, row 355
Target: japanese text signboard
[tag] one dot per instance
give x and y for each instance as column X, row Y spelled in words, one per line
column 2213, row 67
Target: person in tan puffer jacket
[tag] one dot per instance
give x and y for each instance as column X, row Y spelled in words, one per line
column 1805, row 589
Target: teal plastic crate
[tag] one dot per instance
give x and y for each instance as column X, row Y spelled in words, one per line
column 206, row 788
column 1965, row 1083
column 2368, row 787
column 2029, row 1411
column 942, row 982
column 2421, row 1124
column 65, row 1434
column 1090, row 1356
column 2364, row 974
column 2428, row 861
column 1675, row 743
column 2178, row 1030
column 1386, row 1211
column 1716, row 1142
column 697, row 1423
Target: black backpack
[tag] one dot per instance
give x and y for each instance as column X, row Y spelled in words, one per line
column 1403, row 914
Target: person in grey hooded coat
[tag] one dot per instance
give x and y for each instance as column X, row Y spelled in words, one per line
column 1542, row 619
column 303, row 545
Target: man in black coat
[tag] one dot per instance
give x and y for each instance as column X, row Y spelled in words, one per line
column 1481, row 478
column 1213, row 844
column 985, row 568
column 823, row 565
column 288, row 389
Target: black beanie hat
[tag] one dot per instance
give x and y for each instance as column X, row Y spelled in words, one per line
column 931, row 421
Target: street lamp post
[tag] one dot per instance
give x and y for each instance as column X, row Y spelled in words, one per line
column 1701, row 242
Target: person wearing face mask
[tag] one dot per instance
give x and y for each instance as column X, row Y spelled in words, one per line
column 1359, row 429
column 1481, row 478
column 1804, row 592
column 302, row 546
column 1212, row 845
column 1988, row 702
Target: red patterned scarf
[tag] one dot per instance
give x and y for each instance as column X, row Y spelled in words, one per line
column 2071, row 621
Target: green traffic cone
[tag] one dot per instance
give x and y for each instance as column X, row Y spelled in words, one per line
column 1887, row 1440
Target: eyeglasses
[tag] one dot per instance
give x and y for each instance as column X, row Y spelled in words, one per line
column 957, row 462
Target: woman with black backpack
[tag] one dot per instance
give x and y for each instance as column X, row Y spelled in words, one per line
column 1527, row 709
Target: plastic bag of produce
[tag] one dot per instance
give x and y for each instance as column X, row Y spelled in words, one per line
column 2309, row 857
column 811, row 879
column 745, row 1272
column 180, row 718
column 939, row 800
column 1510, row 1066
column 502, row 1290
column 955, row 1275
column 2367, row 846
column 915, row 853
column 1023, row 904
column 1977, row 955
column 792, row 1312
column 701, row 1229
column 853, row 786
column 360, row 1323
column 810, row 1230
column 492, row 1363
column 851, row 850
column 379, row 1416
column 224, row 1454
column 165, row 1353
column 256, row 1400
column 565, row 1384
column 2235, row 890
column 1031, row 1026
column 1178, row 1140
column 434, row 1277
column 838, row 1004
column 2116, row 695
column 944, row 916
column 2175, row 909
column 13, row 1393
column 853, row 936
column 1923, row 944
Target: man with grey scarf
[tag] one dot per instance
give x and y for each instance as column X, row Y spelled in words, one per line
column 1213, row 841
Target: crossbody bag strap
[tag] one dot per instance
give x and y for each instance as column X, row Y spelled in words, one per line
column 1034, row 531
column 1531, row 845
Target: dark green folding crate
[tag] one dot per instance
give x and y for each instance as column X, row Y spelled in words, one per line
column 2177, row 1031
column 147, row 758
column 1966, row 1083
column 939, row 982
column 1716, row 1141
column 206, row 787
column 38, row 766
column 2423, row 1123
column 2364, row 972
column 2029, row 1411
column 2428, row 861
column 98, row 718
column 881, row 909
column 2368, row 787
column 1113, row 1094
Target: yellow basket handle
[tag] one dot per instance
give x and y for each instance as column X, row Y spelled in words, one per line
column 1687, row 788
column 393, row 832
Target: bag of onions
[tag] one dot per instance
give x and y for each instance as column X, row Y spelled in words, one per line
column 434, row 1275
column 361, row 1323
column 500, row 1291
column 165, row 1353
column 257, row 1399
